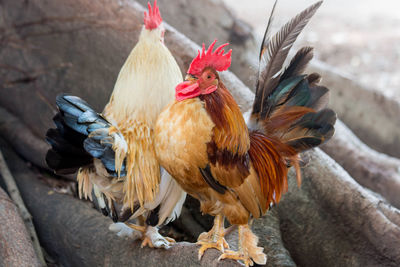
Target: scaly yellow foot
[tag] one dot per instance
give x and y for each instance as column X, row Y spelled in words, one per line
column 147, row 242
column 248, row 252
column 236, row 255
column 214, row 238
column 220, row 244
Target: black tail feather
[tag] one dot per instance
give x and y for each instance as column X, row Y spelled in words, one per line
column 67, row 154
column 319, row 97
column 298, row 63
column 80, row 136
column 273, row 55
column 65, row 163
column 311, row 130
column 290, row 105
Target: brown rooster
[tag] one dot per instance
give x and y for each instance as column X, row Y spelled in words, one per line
column 237, row 170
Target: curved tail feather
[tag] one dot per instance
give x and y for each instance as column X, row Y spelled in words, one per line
column 81, row 135
column 289, row 108
column 290, row 105
column 67, row 154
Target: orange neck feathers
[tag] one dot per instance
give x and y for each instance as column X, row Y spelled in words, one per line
column 230, row 142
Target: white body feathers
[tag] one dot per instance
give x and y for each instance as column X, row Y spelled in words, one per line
column 146, row 82
column 145, row 85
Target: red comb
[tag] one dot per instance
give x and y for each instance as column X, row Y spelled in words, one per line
column 153, row 18
column 216, row 59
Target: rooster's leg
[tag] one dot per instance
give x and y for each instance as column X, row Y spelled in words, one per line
column 141, row 227
column 248, row 250
column 150, row 235
column 214, row 238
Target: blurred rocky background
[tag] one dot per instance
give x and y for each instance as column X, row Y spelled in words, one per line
column 346, row 212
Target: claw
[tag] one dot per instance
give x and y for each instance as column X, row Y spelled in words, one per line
column 248, row 251
column 220, row 245
column 234, row 255
column 147, row 242
column 170, row 239
column 214, row 238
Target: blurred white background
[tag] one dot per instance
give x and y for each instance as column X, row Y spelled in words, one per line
column 359, row 37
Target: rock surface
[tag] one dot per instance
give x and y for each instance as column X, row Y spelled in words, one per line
column 16, row 247
column 332, row 219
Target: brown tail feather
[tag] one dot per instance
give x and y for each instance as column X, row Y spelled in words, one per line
column 269, row 158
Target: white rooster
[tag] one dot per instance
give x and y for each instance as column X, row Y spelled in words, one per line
column 113, row 151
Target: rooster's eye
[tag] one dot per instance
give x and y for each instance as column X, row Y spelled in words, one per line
column 208, row 76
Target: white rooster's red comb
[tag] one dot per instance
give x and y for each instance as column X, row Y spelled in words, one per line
column 152, row 19
column 207, row 58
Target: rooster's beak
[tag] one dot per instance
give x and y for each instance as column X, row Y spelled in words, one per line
column 190, row 77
